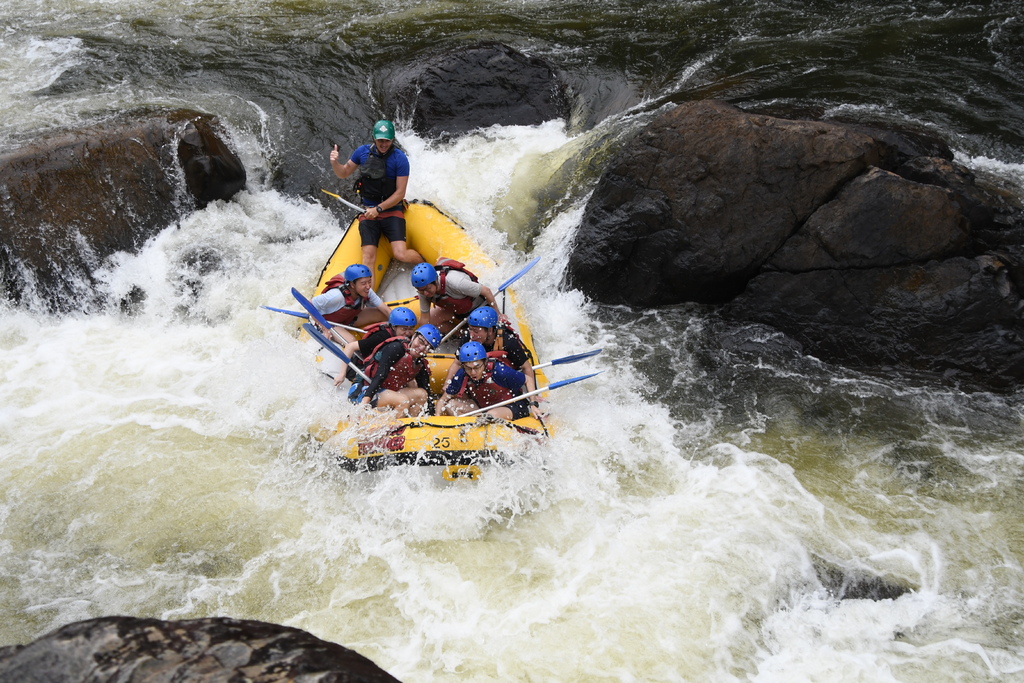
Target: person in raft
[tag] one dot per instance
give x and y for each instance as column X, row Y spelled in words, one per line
column 448, row 292
column 500, row 341
column 400, row 323
column 347, row 299
column 483, row 382
column 399, row 373
column 382, row 182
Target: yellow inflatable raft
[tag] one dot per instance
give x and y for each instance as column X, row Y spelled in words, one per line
column 456, row 446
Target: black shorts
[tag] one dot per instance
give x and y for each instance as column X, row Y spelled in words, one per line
column 520, row 409
column 392, row 227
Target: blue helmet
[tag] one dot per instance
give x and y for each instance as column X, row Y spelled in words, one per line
column 423, row 274
column 356, row 271
column 485, row 316
column 402, row 317
column 471, row 351
column 431, row 334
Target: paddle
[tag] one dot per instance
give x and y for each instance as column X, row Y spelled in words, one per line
column 568, row 359
column 360, row 209
column 553, row 385
column 329, row 345
column 500, row 289
column 300, row 314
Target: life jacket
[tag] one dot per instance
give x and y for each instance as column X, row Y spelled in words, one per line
column 458, row 306
column 402, row 372
column 370, row 329
column 485, row 391
column 353, row 303
column 373, row 184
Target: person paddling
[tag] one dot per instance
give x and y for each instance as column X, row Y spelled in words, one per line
column 500, row 341
column 448, row 292
column 348, row 299
column 401, row 323
column 382, row 182
column 483, row 382
column 399, row 373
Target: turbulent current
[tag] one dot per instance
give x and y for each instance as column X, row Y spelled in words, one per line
column 715, row 506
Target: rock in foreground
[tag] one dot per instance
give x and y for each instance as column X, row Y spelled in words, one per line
column 131, row 650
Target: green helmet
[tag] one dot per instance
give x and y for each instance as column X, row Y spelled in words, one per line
column 383, row 129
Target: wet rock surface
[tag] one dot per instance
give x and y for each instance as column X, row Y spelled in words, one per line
column 70, row 200
column 458, row 91
column 222, row 650
column 847, row 238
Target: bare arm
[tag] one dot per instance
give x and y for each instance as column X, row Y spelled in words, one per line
column 488, row 296
column 342, row 170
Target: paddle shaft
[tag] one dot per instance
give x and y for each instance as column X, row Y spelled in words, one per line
column 360, row 209
column 553, row 385
column 329, row 345
column 568, row 359
column 300, row 314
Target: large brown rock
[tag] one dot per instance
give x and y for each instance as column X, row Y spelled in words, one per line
column 694, row 206
column 221, row 650
column 69, row 200
column 878, row 219
column 869, row 247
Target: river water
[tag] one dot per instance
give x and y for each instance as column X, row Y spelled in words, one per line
column 704, row 503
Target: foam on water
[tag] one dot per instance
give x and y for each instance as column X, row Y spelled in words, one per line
column 680, row 524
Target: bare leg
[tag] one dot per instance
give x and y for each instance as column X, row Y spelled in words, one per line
column 407, row 401
column 404, row 253
column 458, row 406
column 370, row 256
column 368, row 316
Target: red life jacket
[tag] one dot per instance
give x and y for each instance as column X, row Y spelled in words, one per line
column 458, row 306
column 485, row 391
column 353, row 303
column 370, row 329
column 402, row 372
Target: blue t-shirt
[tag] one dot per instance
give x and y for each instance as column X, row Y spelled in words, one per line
column 395, row 166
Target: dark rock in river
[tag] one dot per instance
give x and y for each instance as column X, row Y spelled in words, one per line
column 70, row 200
column 475, row 87
column 693, row 208
column 130, row 650
column 878, row 219
column 960, row 317
column 868, row 247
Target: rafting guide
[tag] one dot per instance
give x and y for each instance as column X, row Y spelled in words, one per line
column 382, row 182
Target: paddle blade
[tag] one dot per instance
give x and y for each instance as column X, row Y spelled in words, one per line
column 297, row 314
column 577, row 357
column 310, row 308
column 310, row 328
column 562, row 383
column 518, row 275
